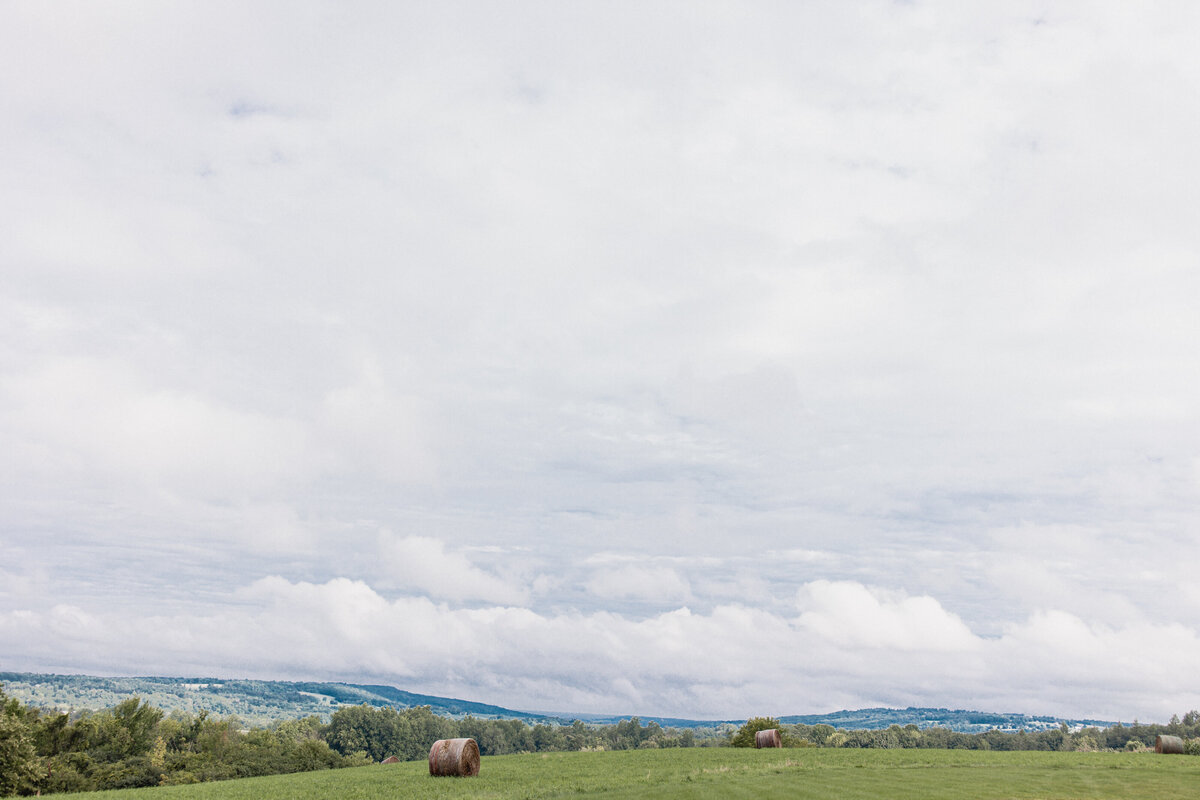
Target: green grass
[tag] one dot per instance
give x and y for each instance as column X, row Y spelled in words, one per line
column 732, row 773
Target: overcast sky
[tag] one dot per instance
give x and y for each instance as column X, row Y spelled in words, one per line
column 698, row 359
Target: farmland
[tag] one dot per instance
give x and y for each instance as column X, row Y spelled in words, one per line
column 729, row 772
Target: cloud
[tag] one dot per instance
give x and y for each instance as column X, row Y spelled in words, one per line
column 641, row 583
column 422, row 564
column 98, row 417
column 373, row 427
column 850, row 614
column 725, row 663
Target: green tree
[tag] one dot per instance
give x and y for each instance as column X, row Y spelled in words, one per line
column 547, row 738
column 20, row 767
column 579, row 736
column 628, row 734
column 356, row 729
column 383, row 732
column 471, row 727
column 137, row 721
column 421, row 728
column 299, row 730
column 745, row 734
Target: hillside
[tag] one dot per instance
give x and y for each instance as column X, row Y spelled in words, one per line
column 260, row 702
column 256, row 702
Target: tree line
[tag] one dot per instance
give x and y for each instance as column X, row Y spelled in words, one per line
column 134, row 744
column 1133, row 737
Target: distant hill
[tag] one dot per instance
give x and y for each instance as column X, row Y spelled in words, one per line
column 962, row 721
column 256, row 702
column 871, row 719
column 261, row 702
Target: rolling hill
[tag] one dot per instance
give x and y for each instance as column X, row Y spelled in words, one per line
column 260, row 702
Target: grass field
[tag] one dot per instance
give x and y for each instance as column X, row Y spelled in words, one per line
column 733, row 773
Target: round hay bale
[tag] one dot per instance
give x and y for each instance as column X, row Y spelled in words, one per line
column 390, row 760
column 454, row 757
column 1168, row 744
column 768, row 738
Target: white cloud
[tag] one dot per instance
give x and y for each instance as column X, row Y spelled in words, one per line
column 732, row 662
column 422, row 564
column 642, row 583
column 852, row 615
column 372, row 427
column 96, row 416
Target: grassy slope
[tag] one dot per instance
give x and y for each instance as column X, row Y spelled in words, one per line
column 729, row 773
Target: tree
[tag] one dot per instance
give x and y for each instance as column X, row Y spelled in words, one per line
column 578, row 736
column 745, row 734
column 19, row 765
column 354, row 729
column 383, row 732
column 137, row 719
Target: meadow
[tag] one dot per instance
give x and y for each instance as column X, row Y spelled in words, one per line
column 733, row 773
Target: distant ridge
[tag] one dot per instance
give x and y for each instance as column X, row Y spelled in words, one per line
column 257, row 702
column 261, row 702
column 956, row 720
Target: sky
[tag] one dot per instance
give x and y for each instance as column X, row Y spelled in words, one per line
column 701, row 359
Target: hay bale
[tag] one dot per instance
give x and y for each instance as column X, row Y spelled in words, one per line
column 454, row 757
column 390, row 760
column 768, row 738
column 1168, row 744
